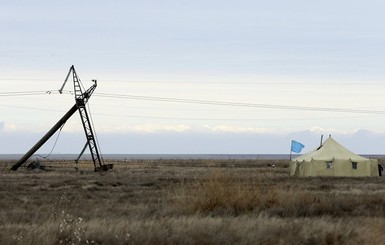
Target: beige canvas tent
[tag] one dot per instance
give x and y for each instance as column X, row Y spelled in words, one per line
column 332, row 159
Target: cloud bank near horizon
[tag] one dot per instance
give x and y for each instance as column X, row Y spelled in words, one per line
column 192, row 142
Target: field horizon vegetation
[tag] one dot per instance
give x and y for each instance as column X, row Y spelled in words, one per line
column 187, row 201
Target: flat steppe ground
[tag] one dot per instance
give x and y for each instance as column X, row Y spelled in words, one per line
column 187, row 202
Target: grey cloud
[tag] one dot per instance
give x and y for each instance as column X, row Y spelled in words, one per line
column 361, row 142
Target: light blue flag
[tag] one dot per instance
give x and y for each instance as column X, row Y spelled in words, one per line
column 296, row 146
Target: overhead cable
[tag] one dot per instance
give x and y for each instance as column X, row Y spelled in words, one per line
column 31, row 93
column 209, row 102
column 238, row 82
column 24, row 93
column 238, row 104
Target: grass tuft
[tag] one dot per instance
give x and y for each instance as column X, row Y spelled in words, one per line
column 188, row 202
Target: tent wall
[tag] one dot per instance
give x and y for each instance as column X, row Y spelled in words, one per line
column 344, row 168
column 320, row 169
column 374, row 167
column 293, row 167
column 338, row 168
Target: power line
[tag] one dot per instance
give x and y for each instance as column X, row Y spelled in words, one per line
column 228, row 119
column 32, row 93
column 30, row 108
column 238, row 104
column 24, row 93
column 213, row 82
column 250, row 83
column 194, row 118
column 209, row 102
column 54, row 145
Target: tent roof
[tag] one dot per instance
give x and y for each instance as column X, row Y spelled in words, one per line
column 330, row 150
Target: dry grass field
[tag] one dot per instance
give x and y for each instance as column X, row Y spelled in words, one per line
column 187, row 202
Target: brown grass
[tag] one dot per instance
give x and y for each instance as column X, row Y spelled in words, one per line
column 222, row 193
column 188, row 202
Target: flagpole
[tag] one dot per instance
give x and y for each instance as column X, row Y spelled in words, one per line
column 291, row 148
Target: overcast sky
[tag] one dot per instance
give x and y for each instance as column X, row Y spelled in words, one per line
column 266, row 60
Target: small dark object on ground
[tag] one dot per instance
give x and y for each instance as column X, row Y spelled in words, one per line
column 105, row 167
column 35, row 165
